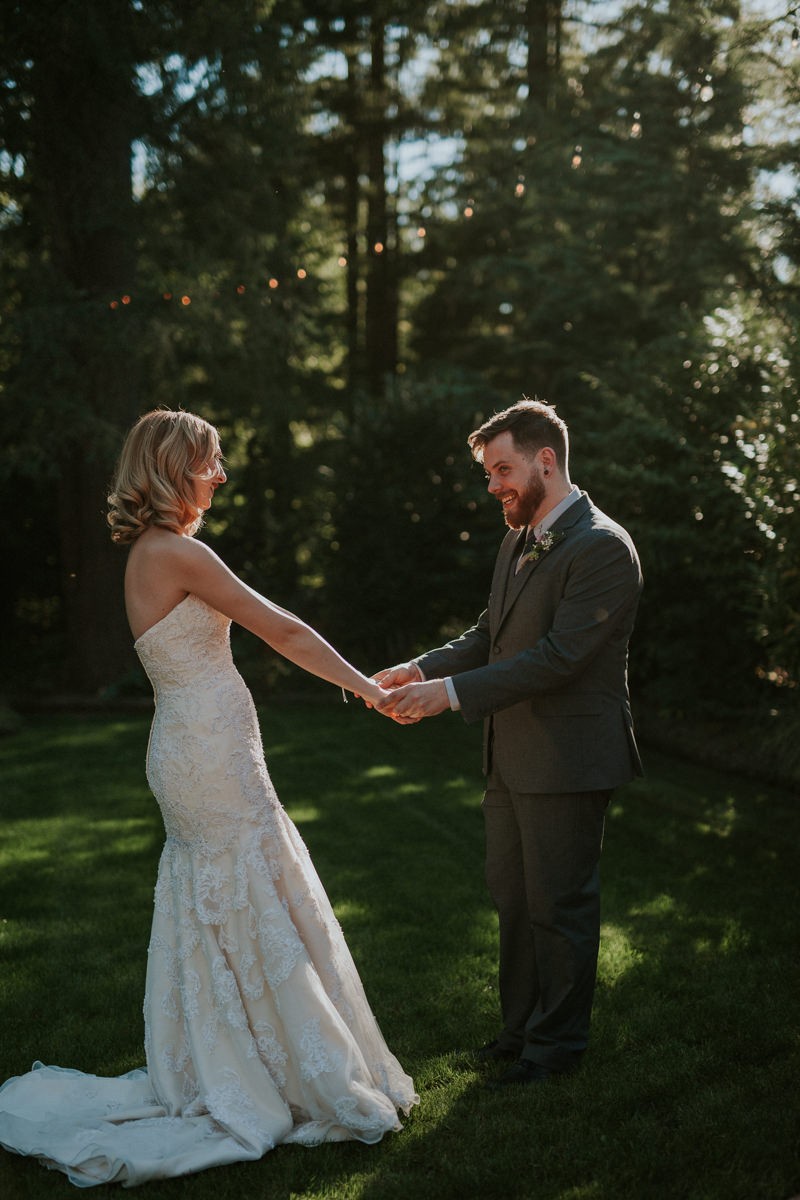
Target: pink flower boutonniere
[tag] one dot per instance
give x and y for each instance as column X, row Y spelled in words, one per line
column 546, row 542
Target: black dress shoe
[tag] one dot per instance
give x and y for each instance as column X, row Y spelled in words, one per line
column 493, row 1052
column 522, row 1072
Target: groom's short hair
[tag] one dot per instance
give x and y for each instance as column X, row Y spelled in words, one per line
column 532, row 425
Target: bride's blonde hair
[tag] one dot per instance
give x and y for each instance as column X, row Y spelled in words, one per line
column 162, row 456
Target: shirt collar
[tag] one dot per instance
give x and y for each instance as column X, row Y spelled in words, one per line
column 559, row 510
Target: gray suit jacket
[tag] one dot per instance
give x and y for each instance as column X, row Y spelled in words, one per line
column 545, row 666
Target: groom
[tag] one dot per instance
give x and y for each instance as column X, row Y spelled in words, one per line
column 545, row 668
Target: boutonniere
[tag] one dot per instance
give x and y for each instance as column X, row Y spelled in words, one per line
column 546, row 542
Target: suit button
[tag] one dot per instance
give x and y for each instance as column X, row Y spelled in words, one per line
column 497, row 649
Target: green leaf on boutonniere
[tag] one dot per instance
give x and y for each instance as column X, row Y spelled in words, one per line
column 546, row 542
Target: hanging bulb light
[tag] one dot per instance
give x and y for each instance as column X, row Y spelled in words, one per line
column 706, row 91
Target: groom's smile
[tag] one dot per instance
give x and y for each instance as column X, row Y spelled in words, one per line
column 514, row 479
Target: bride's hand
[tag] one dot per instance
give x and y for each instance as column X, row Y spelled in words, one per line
column 391, row 678
column 378, row 698
column 375, row 696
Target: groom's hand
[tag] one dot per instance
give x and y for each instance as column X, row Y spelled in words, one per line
column 411, row 703
column 394, row 677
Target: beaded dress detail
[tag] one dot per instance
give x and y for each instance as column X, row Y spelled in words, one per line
column 257, row 1028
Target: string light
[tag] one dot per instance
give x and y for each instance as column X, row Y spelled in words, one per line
column 577, row 157
column 240, row 289
column 273, row 283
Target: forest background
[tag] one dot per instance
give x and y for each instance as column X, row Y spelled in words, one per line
column 347, row 233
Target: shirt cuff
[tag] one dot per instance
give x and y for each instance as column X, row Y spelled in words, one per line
column 452, row 695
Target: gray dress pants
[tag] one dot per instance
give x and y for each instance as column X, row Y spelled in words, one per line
column 542, row 870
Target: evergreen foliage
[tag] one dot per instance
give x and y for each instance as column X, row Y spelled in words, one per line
column 347, row 238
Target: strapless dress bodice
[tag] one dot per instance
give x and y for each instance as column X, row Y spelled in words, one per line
column 188, row 647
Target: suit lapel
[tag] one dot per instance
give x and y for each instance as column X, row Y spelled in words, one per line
column 517, row 581
column 507, row 556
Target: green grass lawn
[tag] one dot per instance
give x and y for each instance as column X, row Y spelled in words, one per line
column 690, row 1089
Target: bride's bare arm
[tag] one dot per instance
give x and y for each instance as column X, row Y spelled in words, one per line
column 197, row 569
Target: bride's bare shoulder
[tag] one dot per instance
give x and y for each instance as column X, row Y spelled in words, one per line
column 163, row 547
column 162, row 569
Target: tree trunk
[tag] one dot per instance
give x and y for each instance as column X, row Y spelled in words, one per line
column 544, row 50
column 381, row 308
column 353, row 320
column 81, row 217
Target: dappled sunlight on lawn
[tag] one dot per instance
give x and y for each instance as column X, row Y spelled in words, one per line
column 350, row 912
column 303, row 813
column 380, row 771
column 617, row 954
column 662, row 905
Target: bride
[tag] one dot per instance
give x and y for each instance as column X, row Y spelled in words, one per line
column 257, row 1028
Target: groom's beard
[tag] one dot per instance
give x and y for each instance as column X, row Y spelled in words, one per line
column 521, row 511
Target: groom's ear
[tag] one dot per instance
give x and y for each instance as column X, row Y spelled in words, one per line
column 547, row 457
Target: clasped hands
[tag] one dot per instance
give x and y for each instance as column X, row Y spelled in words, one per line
column 409, row 698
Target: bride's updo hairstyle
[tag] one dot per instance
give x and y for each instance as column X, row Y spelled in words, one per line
column 163, row 455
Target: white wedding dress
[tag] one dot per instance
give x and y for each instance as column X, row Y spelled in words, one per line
column 257, row 1028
